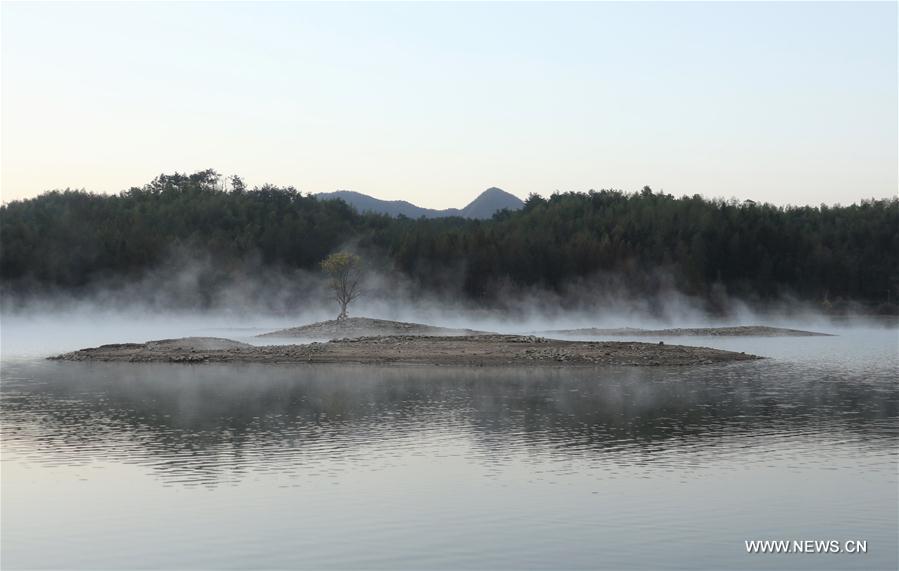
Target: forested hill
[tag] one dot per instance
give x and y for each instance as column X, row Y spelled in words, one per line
column 71, row 240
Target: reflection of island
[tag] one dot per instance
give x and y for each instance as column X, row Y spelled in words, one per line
column 205, row 424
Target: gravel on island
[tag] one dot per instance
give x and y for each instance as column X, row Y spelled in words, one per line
column 474, row 350
column 736, row 331
column 366, row 327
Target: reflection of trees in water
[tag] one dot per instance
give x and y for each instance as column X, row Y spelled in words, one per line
column 206, row 421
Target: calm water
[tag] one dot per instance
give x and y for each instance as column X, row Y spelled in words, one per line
column 122, row 466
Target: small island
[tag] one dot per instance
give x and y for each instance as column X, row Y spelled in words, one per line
column 366, row 327
column 733, row 331
column 469, row 350
column 367, row 341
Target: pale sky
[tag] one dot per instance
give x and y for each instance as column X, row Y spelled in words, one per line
column 434, row 102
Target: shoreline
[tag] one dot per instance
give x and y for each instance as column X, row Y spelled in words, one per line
column 472, row 350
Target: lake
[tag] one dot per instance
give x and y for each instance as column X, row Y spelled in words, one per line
column 205, row 466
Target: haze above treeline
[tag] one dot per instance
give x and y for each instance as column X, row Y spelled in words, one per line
column 594, row 244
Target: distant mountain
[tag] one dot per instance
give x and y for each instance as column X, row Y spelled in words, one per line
column 490, row 202
column 484, row 206
column 365, row 203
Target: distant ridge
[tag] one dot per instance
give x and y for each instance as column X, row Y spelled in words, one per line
column 484, row 206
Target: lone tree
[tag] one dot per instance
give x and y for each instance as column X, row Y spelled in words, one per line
column 345, row 271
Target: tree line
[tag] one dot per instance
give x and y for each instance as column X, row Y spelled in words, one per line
column 66, row 240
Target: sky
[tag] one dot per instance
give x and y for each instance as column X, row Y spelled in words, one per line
column 789, row 103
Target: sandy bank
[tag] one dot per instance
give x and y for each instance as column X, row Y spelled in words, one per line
column 366, row 327
column 477, row 350
column 738, row 331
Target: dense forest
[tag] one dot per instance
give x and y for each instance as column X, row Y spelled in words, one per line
column 73, row 240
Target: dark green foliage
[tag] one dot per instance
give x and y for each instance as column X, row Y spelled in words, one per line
column 73, row 239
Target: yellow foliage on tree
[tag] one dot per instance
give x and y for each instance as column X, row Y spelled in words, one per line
column 345, row 272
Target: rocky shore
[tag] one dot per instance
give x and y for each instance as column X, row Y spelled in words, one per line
column 475, row 350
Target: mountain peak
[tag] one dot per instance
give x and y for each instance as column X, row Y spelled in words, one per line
column 490, row 202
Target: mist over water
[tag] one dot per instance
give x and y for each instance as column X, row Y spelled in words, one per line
column 45, row 326
column 192, row 294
